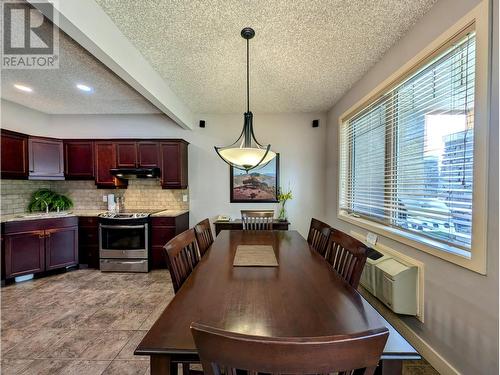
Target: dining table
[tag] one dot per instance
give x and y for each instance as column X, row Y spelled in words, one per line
column 300, row 297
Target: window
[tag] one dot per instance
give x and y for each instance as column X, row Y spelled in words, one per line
column 407, row 157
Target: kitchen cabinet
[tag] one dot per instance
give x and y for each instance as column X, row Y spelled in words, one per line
column 46, row 159
column 126, row 154
column 61, row 247
column 88, row 237
column 174, row 162
column 14, row 155
column 148, row 154
column 32, row 246
column 79, row 160
column 105, row 159
column 163, row 230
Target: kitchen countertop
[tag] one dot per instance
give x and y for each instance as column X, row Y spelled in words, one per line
column 83, row 213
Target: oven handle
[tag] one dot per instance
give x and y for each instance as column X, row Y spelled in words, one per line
column 122, row 226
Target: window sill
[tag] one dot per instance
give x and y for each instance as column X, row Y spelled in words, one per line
column 438, row 249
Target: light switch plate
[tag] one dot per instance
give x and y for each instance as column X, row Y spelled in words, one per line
column 371, row 238
column 104, row 198
column 185, row 198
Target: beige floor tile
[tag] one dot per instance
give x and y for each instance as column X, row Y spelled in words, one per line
column 120, row 367
column 118, row 318
column 128, row 350
column 14, row 366
column 36, row 344
column 106, row 345
column 72, row 345
column 12, row 337
column 46, row 367
column 85, row 367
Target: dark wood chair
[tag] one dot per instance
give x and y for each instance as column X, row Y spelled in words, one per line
column 181, row 255
column 347, row 256
column 319, row 233
column 257, row 220
column 226, row 352
column 204, row 236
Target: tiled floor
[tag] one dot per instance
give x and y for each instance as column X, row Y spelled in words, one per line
column 88, row 322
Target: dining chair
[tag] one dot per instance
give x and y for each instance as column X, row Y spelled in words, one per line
column 319, row 233
column 204, row 236
column 226, row 352
column 347, row 256
column 181, row 255
column 257, row 220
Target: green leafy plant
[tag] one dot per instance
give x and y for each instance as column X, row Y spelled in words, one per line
column 283, row 197
column 43, row 198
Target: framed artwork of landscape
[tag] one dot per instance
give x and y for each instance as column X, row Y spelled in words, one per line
column 260, row 185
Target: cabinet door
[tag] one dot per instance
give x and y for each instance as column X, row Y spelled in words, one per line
column 46, row 161
column 24, row 253
column 14, row 154
column 148, row 154
column 126, row 154
column 105, row 159
column 61, row 247
column 79, row 160
column 173, row 165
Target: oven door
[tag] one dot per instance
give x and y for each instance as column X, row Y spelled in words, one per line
column 123, row 241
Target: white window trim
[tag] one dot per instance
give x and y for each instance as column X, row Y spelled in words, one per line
column 477, row 261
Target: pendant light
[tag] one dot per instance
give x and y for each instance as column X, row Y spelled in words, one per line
column 246, row 153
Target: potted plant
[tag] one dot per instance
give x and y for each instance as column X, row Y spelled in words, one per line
column 283, row 197
column 48, row 200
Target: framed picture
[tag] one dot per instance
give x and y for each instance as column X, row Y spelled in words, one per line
column 260, row 185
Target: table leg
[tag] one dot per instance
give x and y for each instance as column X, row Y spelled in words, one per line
column 390, row 367
column 162, row 365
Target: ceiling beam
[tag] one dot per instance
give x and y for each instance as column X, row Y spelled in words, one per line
column 90, row 26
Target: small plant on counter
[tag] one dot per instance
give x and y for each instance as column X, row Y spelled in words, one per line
column 283, row 197
column 48, row 200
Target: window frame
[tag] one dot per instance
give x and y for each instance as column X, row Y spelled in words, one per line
column 478, row 20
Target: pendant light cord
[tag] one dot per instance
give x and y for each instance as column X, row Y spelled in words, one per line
column 248, row 78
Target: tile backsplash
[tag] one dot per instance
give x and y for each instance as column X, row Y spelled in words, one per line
column 140, row 194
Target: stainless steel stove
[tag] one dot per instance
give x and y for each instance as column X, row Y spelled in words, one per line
column 124, row 241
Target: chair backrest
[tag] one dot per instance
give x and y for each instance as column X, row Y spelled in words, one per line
column 226, row 352
column 181, row 255
column 257, row 220
column 347, row 255
column 204, row 236
column 319, row 233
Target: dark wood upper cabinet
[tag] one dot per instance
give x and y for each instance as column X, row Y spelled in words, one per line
column 14, row 155
column 126, row 154
column 174, row 162
column 105, row 159
column 79, row 160
column 148, row 154
column 46, row 159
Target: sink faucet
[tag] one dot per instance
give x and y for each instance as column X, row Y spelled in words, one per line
column 46, row 206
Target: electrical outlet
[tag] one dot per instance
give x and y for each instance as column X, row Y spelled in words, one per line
column 104, row 198
column 184, row 198
column 371, row 238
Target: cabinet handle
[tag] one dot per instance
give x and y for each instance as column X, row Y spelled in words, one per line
column 41, row 235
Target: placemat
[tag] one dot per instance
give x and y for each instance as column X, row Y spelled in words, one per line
column 255, row 256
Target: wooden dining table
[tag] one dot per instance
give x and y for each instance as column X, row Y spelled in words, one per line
column 301, row 297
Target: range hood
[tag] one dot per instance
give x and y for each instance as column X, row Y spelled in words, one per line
column 130, row 173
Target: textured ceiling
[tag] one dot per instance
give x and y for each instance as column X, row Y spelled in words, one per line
column 54, row 91
column 305, row 55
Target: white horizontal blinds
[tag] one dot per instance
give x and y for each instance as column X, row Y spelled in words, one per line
column 407, row 158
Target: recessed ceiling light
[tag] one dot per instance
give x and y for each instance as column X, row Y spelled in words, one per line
column 84, row 87
column 23, row 88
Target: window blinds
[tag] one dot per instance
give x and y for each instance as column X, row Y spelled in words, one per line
column 406, row 159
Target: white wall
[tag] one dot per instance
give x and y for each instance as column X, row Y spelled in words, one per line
column 461, row 307
column 302, row 152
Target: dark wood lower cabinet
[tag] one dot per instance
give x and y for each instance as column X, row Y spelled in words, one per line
column 34, row 246
column 61, row 247
column 163, row 230
column 24, row 253
column 88, row 237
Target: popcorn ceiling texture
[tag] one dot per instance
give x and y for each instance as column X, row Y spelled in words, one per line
column 140, row 194
column 304, row 57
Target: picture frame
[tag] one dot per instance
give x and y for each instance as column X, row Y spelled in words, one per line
column 259, row 185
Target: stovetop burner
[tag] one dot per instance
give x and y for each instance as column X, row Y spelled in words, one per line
column 124, row 215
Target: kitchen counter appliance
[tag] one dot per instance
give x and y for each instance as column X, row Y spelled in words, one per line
column 125, row 241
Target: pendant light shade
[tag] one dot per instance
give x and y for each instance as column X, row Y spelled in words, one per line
column 246, row 153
